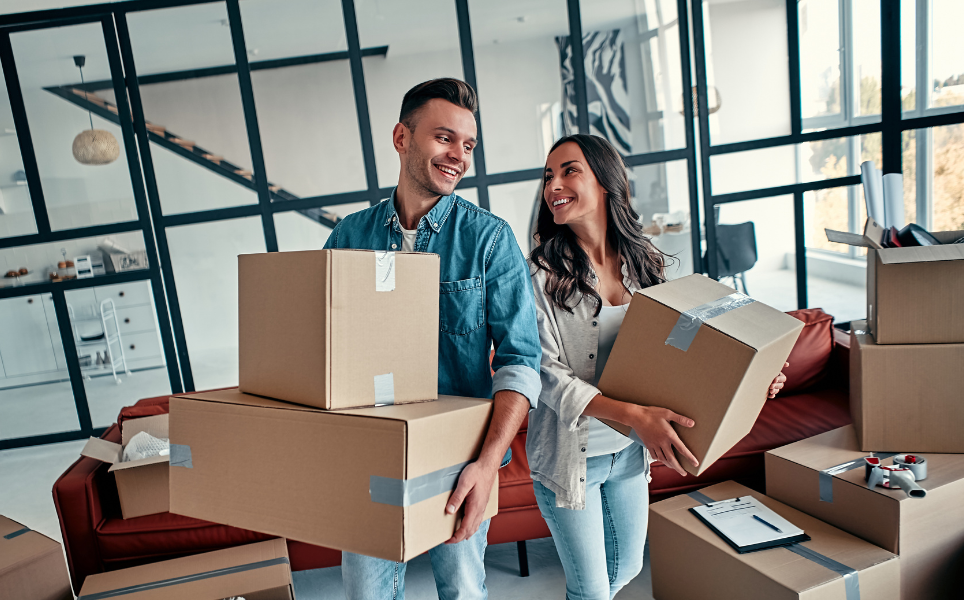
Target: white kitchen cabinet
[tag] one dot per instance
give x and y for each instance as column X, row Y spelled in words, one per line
column 25, row 337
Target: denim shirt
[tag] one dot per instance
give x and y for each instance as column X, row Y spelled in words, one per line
column 485, row 295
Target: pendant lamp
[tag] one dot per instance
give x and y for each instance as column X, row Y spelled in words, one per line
column 93, row 146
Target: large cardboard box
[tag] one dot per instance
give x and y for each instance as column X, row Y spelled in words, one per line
column 915, row 295
column 720, row 380
column 142, row 485
column 907, row 397
column 690, row 561
column 257, row 572
column 32, row 566
column 339, row 328
column 927, row 533
column 373, row 481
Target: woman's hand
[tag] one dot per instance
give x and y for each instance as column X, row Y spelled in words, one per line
column 652, row 425
column 778, row 383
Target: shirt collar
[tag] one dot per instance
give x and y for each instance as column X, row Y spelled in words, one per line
column 435, row 217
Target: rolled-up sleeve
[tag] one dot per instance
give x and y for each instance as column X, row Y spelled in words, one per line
column 511, row 318
column 563, row 392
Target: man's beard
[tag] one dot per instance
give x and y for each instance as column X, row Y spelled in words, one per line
column 422, row 178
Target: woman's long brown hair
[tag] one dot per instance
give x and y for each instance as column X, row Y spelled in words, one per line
column 558, row 253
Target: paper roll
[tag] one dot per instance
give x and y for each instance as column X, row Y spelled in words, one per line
column 893, row 200
column 873, row 191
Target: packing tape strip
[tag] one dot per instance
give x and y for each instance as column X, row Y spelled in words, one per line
column 181, row 456
column 17, row 533
column 851, row 581
column 826, row 476
column 144, row 587
column 405, row 492
column 684, row 332
column 384, row 271
column 918, row 467
column 384, row 389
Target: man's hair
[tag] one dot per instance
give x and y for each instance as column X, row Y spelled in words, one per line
column 455, row 91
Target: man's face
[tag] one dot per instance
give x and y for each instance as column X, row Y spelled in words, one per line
column 436, row 155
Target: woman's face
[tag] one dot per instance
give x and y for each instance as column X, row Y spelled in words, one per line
column 571, row 190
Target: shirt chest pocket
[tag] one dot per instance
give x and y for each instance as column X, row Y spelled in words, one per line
column 460, row 306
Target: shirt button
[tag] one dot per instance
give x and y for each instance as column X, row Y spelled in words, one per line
column 590, row 356
column 583, row 450
column 593, row 323
column 583, row 479
column 434, row 224
column 394, row 246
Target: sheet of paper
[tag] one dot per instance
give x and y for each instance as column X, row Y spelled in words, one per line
column 734, row 519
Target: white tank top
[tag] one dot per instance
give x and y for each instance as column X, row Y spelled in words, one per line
column 602, row 438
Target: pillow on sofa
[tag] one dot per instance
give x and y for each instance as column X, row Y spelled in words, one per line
column 809, row 357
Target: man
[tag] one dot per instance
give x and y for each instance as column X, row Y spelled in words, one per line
column 485, row 299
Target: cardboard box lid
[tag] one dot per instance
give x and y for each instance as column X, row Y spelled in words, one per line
column 755, row 325
column 871, row 237
column 399, row 412
column 18, row 546
column 196, row 577
column 874, row 233
column 112, row 454
column 839, row 446
column 783, row 566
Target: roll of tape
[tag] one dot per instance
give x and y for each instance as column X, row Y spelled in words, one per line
column 916, row 463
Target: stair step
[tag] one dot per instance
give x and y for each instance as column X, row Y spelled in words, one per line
column 156, row 129
column 111, row 108
column 274, row 188
column 213, row 158
column 187, row 145
column 244, row 173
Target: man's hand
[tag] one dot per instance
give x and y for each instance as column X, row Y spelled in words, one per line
column 474, row 488
column 777, row 383
column 652, row 425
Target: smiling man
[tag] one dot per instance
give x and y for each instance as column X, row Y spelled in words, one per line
column 485, row 300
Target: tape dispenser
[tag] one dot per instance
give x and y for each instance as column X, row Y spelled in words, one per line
column 906, row 471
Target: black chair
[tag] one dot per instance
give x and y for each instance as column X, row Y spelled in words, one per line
column 735, row 252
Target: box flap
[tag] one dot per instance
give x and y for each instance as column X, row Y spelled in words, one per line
column 155, row 425
column 916, row 254
column 150, row 460
column 20, row 547
column 754, row 324
column 231, row 572
column 102, row 450
column 871, row 238
column 397, row 412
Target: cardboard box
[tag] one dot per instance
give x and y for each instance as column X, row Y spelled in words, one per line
column 927, row 533
column 334, row 479
column 689, row 560
column 257, row 572
column 142, row 485
column 720, row 381
column 339, row 328
column 907, row 397
column 32, row 566
column 914, row 295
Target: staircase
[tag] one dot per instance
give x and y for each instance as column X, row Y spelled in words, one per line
column 189, row 150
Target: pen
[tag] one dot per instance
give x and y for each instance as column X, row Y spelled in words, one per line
column 770, row 525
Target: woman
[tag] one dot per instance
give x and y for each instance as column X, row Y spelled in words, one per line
column 590, row 481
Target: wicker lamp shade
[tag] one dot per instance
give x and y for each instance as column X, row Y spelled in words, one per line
column 96, row 147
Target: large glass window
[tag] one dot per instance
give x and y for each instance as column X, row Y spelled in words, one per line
column 16, row 210
column 75, row 133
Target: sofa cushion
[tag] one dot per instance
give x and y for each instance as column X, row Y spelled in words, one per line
column 809, row 357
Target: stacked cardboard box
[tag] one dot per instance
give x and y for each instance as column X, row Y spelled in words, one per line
column 337, row 435
column 32, row 566
column 927, row 533
column 694, row 346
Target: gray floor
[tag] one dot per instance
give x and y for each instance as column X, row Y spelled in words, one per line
column 27, row 476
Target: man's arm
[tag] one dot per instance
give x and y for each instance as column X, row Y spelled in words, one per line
column 477, row 479
column 511, row 318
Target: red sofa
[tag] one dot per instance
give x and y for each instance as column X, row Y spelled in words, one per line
column 97, row 539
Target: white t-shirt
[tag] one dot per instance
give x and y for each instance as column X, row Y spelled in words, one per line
column 408, row 239
column 603, row 439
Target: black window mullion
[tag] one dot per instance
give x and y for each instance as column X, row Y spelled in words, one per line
column 709, row 214
column 468, row 72
column 162, row 278
column 73, row 362
column 361, row 97
column 251, row 123
column 682, row 11
column 793, row 56
column 578, row 65
column 799, row 232
column 890, row 84
column 27, row 154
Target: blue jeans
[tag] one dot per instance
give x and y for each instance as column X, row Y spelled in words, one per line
column 601, row 547
column 459, row 572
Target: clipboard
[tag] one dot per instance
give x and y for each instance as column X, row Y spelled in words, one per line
column 747, row 525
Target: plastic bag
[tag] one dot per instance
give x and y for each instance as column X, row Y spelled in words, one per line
column 144, row 445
